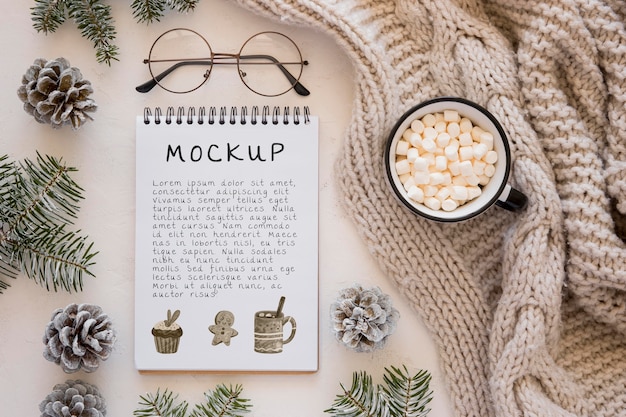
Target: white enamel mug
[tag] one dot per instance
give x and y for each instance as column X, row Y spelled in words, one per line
column 496, row 191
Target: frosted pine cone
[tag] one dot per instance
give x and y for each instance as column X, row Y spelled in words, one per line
column 73, row 399
column 53, row 92
column 78, row 336
column 363, row 318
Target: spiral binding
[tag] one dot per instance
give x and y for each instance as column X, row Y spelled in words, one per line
column 223, row 115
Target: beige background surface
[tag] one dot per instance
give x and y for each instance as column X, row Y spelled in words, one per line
column 103, row 151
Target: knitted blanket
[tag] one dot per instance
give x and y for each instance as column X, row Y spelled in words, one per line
column 528, row 309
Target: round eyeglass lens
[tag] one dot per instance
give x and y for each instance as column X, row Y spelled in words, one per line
column 270, row 64
column 180, row 60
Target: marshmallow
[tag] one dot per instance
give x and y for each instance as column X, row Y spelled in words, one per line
column 421, row 164
column 466, row 125
column 416, row 194
column 443, row 139
column 466, row 153
column 454, row 129
column 443, row 194
column 441, row 126
column 441, row 163
column 443, row 160
column 430, row 190
column 429, row 120
column 451, row 152
column 421, row 177
column 476, row 132
column 402, row 147
column 491, row 157
column 436, row 178
column 451, row 116
column 408, row 182
column 429, row 145
column 459, row 192
column 473, row 192
column 402, row 167
column 480, row 150
column 432, row 203
column 412, row 154
column 454, row 168
column 429, row 133
column 472, row 179
column 486, row 139
column 415, row 139
column 489, row 170
column 449, row 205
column 465, row 139
column 417, row 126
column 466, row 168
column 479, row 167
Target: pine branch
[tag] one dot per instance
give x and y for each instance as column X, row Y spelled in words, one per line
column 363, row 399
column 402, row 396
column 96, row 24
column 37, row 201
column 406, row 395
column 182, row 6
column 161, row 405
column 223, row 402
column 148, row 11
column 48, row 15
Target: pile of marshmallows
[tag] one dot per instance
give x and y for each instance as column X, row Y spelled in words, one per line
column 443, row 159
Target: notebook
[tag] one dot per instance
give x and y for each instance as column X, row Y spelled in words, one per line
column 226, row 256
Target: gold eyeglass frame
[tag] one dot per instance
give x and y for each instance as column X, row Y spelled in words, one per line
column 222, row 58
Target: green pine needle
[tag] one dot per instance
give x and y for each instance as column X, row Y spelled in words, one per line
column 407, row 395
column 38, row 200
column 95, row 21
column 92, row 17
column 161, row 405
column 401, row 396
column 222, row 402
column 148, row 11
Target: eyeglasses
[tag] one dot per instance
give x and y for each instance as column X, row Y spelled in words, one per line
column 268, row 63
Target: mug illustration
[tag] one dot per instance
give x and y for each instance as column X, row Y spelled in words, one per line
column 269, row 330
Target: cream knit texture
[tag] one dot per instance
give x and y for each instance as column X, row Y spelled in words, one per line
column 528, row 309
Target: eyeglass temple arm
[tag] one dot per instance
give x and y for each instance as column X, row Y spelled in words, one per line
column 150, row 84
column 297, row 86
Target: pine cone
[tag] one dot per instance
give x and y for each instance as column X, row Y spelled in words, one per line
column 78, row 336
column 53, row 92
column 73, row 399
column 363, row 318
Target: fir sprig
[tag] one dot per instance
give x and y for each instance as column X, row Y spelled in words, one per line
column 402, row 395
column 92, row 17
column 224, row 401
column 95, row 21
column 150, row 11
column 161, row 404
column 38, row 200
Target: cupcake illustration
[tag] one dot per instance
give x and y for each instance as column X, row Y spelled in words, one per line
column 167, row 333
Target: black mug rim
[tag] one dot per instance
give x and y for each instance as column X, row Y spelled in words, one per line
column 505, row 144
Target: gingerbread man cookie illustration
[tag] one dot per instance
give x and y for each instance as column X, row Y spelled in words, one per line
column 222, row 329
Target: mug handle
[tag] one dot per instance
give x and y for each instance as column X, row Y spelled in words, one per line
column 512, row 199
column 293, row 329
